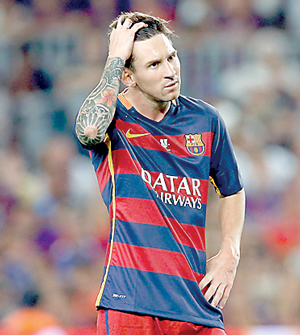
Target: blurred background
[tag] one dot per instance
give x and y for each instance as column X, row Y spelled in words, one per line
column 241, row 56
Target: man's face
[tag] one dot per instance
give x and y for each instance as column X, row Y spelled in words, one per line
column 156, row 69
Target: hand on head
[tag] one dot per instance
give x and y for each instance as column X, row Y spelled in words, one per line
column 122, row 38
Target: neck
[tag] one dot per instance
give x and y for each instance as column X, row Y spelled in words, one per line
column 147, row 106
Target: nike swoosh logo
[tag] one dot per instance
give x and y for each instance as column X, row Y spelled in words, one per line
column 129, row 135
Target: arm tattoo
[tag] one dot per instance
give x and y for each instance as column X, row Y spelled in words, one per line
column 98, row 109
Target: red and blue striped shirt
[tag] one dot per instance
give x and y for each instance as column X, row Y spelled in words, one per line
column 154, row 178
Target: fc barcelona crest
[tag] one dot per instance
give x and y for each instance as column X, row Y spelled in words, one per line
column 194, row 144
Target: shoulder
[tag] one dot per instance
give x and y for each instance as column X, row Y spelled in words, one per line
column 198, row 106
column 200, row 109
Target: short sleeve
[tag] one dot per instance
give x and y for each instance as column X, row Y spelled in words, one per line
column 224, row 171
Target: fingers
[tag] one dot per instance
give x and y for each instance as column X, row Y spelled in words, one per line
column 216, row 294
column 122, row 38
column 225, row 297
column 209, row 289
column 128, row 24
column 137, row 26
column 124, row 23
column 204, row 282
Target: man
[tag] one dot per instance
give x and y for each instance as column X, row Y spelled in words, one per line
column 154, row 152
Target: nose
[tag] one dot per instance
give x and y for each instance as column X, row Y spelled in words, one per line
column 169, row 70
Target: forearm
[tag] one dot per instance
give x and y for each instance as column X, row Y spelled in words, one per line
column 97, row 111
column 221, row 269
column 232, row 215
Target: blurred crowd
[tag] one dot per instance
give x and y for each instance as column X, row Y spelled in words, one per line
column 241, row 56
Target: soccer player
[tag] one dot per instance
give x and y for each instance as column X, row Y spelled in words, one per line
column 154, row 152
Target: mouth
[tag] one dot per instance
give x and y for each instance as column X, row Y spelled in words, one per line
column 172, row 84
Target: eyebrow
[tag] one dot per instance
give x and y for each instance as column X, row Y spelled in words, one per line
column 158, row 60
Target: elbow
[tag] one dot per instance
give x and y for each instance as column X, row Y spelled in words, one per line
column 89, row 135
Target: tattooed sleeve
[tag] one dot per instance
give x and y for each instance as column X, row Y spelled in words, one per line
column 98, row 109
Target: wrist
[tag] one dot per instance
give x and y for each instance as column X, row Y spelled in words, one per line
column 112, row 56
column 114, row 63
column 231, row 248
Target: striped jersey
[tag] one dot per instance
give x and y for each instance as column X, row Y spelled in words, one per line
column 154, row 178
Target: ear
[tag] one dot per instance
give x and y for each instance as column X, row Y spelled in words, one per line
column 127, row 77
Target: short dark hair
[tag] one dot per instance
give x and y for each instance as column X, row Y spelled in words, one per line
column 155, row 26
